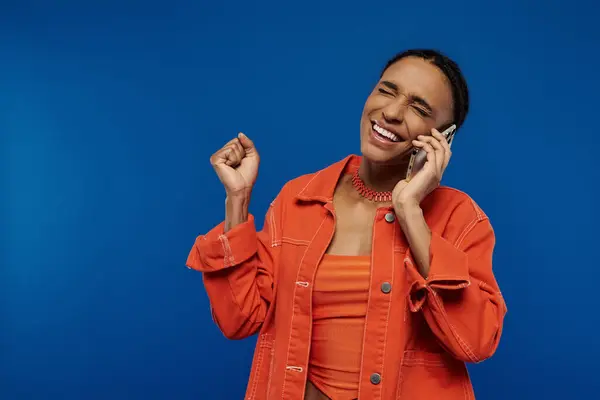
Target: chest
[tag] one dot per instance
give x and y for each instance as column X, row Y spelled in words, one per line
column 354, row 222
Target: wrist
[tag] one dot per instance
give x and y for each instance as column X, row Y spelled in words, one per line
column 238, row 195
column 236, row 210
column 407, row 209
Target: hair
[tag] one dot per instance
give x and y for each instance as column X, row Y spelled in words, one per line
column 460, row 91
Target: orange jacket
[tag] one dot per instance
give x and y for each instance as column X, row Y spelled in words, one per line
column 418, row 336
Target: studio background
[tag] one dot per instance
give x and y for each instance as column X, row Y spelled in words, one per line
column 109, row 112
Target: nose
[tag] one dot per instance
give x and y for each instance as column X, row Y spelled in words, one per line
column 394, row 112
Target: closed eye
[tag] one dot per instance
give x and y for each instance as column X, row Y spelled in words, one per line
column 421, row 111
column 385, row 92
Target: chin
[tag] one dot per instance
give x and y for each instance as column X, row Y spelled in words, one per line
column 378, row 155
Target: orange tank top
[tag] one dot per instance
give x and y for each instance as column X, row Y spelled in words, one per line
column 340, row 295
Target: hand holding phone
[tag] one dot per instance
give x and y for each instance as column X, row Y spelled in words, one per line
column 418, row 157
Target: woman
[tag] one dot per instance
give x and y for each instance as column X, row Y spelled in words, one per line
column 361, row 284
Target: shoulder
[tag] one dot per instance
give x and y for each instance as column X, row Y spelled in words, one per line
column 458, row 203
column 297, row 185
column 293, row 187
column 319, row 185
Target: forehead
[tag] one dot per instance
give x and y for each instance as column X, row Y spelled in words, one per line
column 420, row 77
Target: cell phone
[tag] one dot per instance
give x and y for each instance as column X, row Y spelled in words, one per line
column 418, row 158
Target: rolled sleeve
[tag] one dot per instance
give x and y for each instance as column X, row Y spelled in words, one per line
column 449, row 270
column 217, row 250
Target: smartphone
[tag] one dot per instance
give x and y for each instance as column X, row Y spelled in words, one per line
column 418, row 158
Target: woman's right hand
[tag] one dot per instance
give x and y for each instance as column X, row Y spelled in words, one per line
column 236, row 165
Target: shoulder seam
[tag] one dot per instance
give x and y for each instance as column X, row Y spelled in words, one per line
column 465, row 232
column 480, row 214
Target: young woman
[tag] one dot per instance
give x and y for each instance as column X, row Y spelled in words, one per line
column 361, row 284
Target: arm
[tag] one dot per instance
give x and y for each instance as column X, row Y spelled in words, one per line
column 238, row 266
column 412, row 222
column 453, row 284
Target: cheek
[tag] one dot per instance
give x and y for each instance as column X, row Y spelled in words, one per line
column 368, row 107
column 374, row 103
column 368, row 111
column 417, row 125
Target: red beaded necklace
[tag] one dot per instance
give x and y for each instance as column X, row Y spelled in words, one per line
column 367, row 193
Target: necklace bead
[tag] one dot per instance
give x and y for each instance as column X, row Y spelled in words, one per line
column 367, row 193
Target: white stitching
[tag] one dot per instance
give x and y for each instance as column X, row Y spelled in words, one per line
column 294, row 368
column 287, row 359
column 271, row 369
column 423, row 362
column 464, row 233
column 389, row 306
column 478, row 211
column 227, row 254
column 273, row 228
column 261, row 350
column 294, row 241
column 309, row 182
column 465, row 347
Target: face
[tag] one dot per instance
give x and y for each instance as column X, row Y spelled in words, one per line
column 412, row 97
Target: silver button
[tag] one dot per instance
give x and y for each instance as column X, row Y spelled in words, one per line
column 390, row 217
column 386, row 287
column 375, row 378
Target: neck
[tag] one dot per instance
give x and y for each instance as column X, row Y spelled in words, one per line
column 382, row 177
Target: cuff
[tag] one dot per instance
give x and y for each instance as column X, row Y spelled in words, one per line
column 217, row 250
column 449, row 270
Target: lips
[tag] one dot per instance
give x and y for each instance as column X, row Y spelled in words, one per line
column 385, row 133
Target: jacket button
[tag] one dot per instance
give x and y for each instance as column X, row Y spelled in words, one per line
column 375, row 378
column 386, row 287
column 390, row 217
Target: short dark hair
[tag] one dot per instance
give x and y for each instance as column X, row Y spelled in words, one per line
column 460, row 91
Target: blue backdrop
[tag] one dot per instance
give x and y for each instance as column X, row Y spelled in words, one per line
column 109, row 113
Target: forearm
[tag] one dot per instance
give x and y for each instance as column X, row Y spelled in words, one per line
column 236, row 210
column 413, row 224
column 459, row 296
column 469, row 328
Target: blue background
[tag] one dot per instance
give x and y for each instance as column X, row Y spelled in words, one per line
column 109, row 112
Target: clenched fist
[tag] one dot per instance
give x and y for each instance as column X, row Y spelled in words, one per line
column 236, row 165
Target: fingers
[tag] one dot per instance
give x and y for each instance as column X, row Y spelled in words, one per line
column 246, row 143
column 445, row 145
column 429, row 152
column 437, row 145
column 235, row 154
column 231, row 154
column 430, row 149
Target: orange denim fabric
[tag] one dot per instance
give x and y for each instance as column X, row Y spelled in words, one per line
column 418, row 336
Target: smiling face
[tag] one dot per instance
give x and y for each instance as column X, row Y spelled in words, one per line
column 412, row 97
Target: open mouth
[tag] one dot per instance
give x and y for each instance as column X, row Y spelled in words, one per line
column 384, row 134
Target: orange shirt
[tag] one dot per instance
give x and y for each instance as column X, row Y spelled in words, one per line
column 340, row 298
column 418, row 332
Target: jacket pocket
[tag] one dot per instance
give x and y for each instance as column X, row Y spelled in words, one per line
column 262, row 368
column 432, row 376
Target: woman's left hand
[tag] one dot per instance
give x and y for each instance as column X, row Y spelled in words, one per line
column 429, row 177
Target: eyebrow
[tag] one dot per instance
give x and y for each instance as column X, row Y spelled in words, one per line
column 413, row 97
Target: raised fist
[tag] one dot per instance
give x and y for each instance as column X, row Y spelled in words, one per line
column 236, row 165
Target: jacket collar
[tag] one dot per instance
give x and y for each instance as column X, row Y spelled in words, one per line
column 322, row 185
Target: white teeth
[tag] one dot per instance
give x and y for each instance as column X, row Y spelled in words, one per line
column 386, row 133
